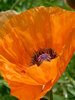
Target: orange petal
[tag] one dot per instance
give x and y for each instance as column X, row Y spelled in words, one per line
column 62, row 23
column 15, row 73
column 45, row 72
column 48, row 24
column 67, row 53
column 12, row 49
column 47, row 88
column 73, row 38
column 24, row 92
column 37, row 74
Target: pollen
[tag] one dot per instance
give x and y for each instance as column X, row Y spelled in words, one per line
column 43, row 55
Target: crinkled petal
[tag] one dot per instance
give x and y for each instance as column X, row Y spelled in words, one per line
column 37, row 28
column 67, row 53
column 15, row 73
column 25, row 92
column 45, row 72
column 46, row 25
column 12, row 49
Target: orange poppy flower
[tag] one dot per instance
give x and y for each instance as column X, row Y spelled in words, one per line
column 35, row 49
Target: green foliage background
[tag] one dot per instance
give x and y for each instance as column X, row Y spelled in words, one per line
column 64, row 89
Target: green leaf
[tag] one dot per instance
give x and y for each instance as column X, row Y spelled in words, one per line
column 8, row 97
column 71, row 89
column 58, row 97
column 4, row 89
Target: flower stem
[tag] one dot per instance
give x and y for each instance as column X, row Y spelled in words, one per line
column 51, row 94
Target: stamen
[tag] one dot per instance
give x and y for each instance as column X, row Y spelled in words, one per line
column 43, row 55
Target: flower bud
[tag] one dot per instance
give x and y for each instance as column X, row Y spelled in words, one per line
column 71, row 3
column 6, row 16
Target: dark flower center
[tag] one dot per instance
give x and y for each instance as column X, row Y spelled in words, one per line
column 43, row 55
